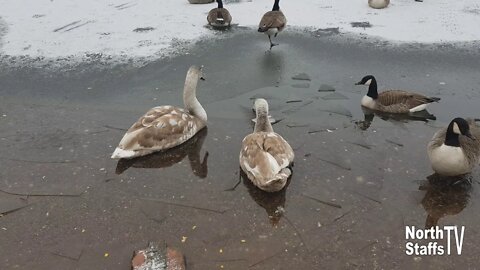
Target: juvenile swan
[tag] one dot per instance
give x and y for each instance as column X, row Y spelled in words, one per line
column 273, row 22
column 165, row 127
column 455, row 150
column 219, row 17
column 393, row 101
column 265, row 156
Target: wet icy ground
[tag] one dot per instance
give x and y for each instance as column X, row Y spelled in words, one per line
column 352, row 191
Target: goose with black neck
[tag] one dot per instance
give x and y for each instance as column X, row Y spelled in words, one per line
column 272, row 23
column 219, row 17
column 455, row 150
column 393, row 101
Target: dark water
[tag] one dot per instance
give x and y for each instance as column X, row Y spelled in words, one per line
column 346, row 206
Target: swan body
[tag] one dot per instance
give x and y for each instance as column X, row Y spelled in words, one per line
column 165, row 127
column 266, row 156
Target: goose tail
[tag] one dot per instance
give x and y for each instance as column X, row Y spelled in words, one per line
column 433, row 99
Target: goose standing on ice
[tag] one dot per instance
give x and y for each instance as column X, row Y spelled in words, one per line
column 378, row 4
column 273, row 22
column 455, row 150
column 219, row 17
column 265, row 156
column 165, row 127
column 393, row 101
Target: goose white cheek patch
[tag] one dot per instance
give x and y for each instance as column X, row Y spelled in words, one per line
column 456, row 129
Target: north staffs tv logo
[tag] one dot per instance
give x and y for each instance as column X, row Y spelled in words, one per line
column 434, row 241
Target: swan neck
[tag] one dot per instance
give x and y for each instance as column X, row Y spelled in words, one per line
column 191, row 103
column 263, row 123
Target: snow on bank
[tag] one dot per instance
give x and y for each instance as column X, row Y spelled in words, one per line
column 142, row 28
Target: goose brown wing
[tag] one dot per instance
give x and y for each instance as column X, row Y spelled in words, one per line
column 273, row 19
column 470, row 147
column 411, row 100
column 218, row 14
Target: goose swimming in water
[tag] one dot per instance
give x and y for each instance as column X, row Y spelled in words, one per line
column 165, row 127
column 219, row 17
column 273, row 22
column 455, row 150
column 393, row 101
column 265, row 156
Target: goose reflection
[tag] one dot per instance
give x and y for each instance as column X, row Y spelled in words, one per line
column 272, row 202
column 423, row 116
column 446, row 196
column 168, row 158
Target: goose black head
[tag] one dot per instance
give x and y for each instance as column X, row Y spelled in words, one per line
column 371, row 82
column 461, row 126
column 458, row 126
column 367, row 80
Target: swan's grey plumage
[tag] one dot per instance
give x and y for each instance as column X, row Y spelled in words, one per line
column 266, row 156
column 393, row 101
column 165, row 127
column 273, row 22
column 219, row 17
column 455, row 150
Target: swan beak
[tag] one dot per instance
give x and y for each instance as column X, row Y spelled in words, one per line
column 201, row 72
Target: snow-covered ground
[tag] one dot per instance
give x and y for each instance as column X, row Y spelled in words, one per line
column 142, row 28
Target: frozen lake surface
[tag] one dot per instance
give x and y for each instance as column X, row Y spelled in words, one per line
column 355, row 185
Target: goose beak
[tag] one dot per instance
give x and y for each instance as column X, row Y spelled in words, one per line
column 202, row 78
column 469, row 135
column 358, row 83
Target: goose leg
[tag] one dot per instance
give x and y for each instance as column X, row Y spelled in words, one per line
column 271, row 43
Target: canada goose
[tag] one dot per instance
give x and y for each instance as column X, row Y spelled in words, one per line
column 165, row 127
column 265, row 156
column 273, row 22
column 378, row 4
column 455, row 150
column 393, row 101
column 200, row 1
column 219, row 17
